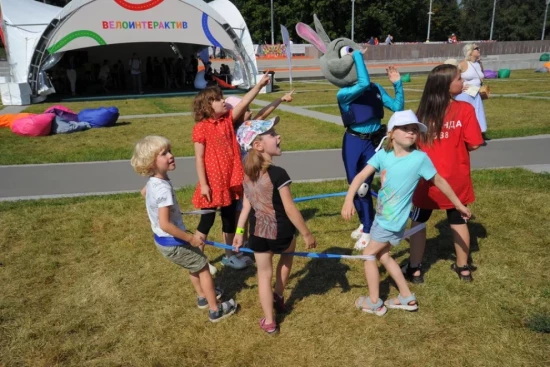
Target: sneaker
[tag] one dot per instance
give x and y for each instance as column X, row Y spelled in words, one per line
column 233, row 262
column 270, row 329
column 202, row 303
column 225, row 310
column 279, row 303
column 408, row 272
column 362, row 242
column 357, row 233
column 212, row 269
column 247, row 259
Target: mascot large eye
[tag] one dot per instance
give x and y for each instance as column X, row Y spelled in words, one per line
column 346, row 50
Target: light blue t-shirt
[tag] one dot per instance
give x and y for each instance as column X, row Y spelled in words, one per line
column 399, row 177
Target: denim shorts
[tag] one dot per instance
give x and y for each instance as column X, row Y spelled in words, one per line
column 382, row 235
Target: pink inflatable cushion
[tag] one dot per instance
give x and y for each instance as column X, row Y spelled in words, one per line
column 58, row 107
column 37, row 125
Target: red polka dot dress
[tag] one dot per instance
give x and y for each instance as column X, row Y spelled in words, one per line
column 222, row 161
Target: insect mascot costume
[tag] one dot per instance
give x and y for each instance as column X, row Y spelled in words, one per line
column 361, row 105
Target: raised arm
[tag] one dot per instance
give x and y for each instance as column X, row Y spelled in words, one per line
column 397, row 103
column 241, row 107
column 349, row 94
column 267, row 110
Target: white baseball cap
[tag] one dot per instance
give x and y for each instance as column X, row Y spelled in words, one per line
column 402, row 118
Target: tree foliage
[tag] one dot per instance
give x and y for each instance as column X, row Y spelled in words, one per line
column 406, row 20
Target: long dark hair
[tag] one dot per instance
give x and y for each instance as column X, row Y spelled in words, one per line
column 435, row 101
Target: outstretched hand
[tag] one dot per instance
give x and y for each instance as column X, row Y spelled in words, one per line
column 265, row 80
column 288, row 97
column 393, row 74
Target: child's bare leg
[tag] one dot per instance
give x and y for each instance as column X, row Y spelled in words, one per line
column 371, row 269
column 228, row 239
column 461, row 237
column 395, row 272
column 418, row 245
column 207, row 285
column 284, row 268
column 195, row 280
column 265, row 275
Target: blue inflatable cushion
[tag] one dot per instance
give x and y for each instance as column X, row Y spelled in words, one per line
column 99, row 117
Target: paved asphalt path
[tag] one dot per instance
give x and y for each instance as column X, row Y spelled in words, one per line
column 93, row 178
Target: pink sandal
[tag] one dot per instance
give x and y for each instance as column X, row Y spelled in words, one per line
column 271, row 329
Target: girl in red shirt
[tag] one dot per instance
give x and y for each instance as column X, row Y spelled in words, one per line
column 453, row 132
column 218, row 162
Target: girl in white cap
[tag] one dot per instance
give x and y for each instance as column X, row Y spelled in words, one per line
column 401, row 166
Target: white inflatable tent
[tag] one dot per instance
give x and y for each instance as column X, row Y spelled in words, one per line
column 48, row 31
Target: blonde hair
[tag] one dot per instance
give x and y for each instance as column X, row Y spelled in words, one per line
column 467, row 49
column 389, row 144
column 146, row 152
column 254, row 163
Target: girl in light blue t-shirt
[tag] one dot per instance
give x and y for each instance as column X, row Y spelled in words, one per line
column 401, row 166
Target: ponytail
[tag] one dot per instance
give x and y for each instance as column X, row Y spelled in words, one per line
column 255, row 164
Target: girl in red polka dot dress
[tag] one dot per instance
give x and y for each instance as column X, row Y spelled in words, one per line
column 218, row 162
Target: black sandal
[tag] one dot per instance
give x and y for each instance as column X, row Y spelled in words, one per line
column 459, row 270
column 409, row 271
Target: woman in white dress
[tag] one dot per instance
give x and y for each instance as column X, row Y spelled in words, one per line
column 472, row 74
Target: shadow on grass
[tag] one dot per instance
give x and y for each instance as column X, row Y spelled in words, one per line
column 318, row 277
column 121, row 123
column 233, row 281
column 441, row 247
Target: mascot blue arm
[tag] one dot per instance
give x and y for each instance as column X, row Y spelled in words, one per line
column 347, row 95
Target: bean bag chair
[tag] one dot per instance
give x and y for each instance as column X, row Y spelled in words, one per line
column 62, row 126
column 541, row 70
column 544, row 57
column 406, row 78
column 58, row 107
column 490, row 74
column 37, row 125
column 8, row 119
column 63, row 112
column 99, row 117
column 504, row 73
column 547, row 65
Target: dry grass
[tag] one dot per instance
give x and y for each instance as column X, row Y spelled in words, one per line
column 82, row 285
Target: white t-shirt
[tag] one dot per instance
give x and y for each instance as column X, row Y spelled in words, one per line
column 135, row 64
column 160, row 193
column 104, row 72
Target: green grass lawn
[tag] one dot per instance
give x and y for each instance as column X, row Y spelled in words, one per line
column 137, row 106
column 113, row 143
column 507, row 117
column 83, row 285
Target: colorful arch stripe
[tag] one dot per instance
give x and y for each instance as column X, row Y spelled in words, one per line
column 207, row 32
column 74, row 35
column 138, row 7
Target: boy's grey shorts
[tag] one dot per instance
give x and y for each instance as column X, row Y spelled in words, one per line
column 186, row 256
column 382, row 235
